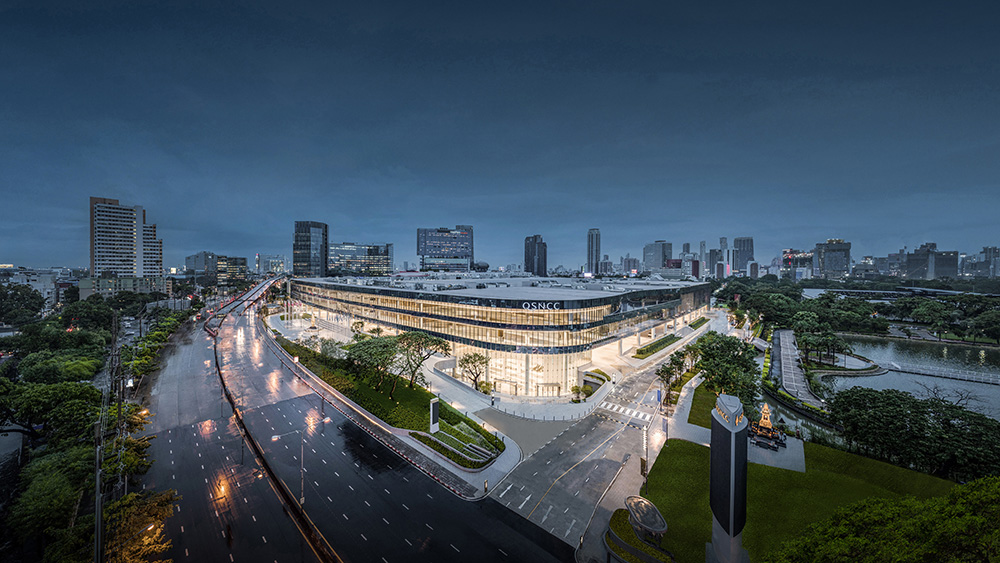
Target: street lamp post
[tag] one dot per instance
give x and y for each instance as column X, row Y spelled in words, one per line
column 302, row 457
column 122, row 544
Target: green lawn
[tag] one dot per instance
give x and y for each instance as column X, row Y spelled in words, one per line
column 701, row 407
column 781, row 503
column 972, row 339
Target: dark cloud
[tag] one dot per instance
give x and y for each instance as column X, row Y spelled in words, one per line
column 790, row 122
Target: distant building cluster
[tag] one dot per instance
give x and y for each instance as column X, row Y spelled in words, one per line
column 209, row 268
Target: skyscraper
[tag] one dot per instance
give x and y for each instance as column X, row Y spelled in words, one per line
column 121, row 242
column 309, row 249
column 656, row 254
column 444, row 249
column 593, row 251
column 744, row 252
column 535, row 256
column 723, row 244
column 686, row 248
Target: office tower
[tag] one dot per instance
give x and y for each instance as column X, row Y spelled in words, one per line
column 727, row 493
column 271, row 263
column 656, row 254
column 202, row 262
column 444, row 249
column 729, row 260
column 121, row 243
column 929, row 263
column 351, row 258
column 686, row 248
column 702, row 255
column 309, row 247
column 535, row 256
column 744, row 248
column 832, row 259
column 593, row 251
column 723, row 244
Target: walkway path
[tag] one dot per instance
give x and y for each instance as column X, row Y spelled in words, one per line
column 793, row 378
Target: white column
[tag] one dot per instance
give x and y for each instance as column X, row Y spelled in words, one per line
column 527, row 371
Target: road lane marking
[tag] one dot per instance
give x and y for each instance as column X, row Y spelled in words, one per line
column 505, row 490
column 570, row 527
column 546, row 514
column 455, row 548
column 524, row 502
column 406, row 507
column 386, row 521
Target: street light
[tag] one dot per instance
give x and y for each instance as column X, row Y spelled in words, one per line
column 122, row 544
column 302, row 457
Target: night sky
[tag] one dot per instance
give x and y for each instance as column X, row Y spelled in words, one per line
column 789, row 122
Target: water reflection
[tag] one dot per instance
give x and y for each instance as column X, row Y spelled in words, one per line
column 885, row 352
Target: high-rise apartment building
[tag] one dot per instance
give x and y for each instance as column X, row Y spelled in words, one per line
column 593, row 251
column 447, row 250
column 832, row 259
column 351, row 258
column 744, row 252
column 536, row 256
column 121, row 242
column 656, row 254
column 310, row 245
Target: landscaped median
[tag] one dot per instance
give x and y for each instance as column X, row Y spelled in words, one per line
column 460, row 439
column 655, row 346
column 698, row 323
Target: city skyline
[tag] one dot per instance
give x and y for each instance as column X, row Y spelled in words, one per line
column 650, row 124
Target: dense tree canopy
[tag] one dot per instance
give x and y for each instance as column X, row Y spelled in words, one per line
column 958, row 528
column 727, row 365
column 19, row 304
column 930, row 435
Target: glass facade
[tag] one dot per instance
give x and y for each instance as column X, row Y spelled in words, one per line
column 446, row 249
column 309, row 248
column 535, row 346
column 360, row 259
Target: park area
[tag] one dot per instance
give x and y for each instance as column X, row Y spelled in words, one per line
column 780, row 503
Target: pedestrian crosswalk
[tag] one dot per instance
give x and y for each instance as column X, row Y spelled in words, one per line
column 622, row 409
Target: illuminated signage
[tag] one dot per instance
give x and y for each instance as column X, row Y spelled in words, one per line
column 538, row 305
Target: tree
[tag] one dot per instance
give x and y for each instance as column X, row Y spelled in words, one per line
column 474, row 366
column 135, row 530
column 415, row 349
column 92, row 313
column 988, row 324
column 728, row 366
column 332, row 348
column 19, row 304
column 959, row 527
column 375, row 356
column 575, row 390
column 666, row 372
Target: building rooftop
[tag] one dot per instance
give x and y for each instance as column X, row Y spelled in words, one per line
column 510, row 288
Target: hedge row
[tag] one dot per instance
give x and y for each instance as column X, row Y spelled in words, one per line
column 698, row 323
column 650, row 349
column 448, row 452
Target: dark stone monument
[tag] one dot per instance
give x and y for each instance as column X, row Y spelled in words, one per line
column 728, row 485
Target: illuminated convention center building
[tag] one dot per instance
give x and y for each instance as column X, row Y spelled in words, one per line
column 539, row 335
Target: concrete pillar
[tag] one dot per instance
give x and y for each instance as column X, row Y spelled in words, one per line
column 620, row 352
column 527, row 371
column 638, row 339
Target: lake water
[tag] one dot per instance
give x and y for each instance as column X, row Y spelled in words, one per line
column 883, row 351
